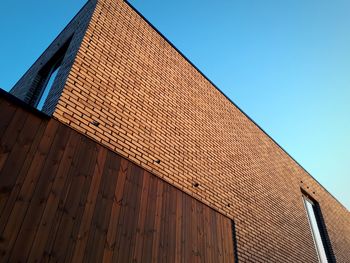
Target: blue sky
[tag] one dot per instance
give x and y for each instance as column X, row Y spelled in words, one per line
column 285, row 63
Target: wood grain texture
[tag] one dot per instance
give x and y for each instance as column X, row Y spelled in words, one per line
column 66, row 198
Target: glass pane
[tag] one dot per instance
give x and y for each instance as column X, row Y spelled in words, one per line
column 315, row 231
column 47, row 89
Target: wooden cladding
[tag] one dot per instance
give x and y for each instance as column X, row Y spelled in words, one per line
column 65, row 198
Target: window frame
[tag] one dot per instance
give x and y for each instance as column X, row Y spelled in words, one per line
column 45, row 86
column 321, row 228
column 43, row 77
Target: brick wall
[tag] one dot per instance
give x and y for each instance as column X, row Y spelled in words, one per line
column 152, row 104
column 28, row 87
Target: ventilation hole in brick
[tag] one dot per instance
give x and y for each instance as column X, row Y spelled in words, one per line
column 195, row 184
column 301, row 181
column 157, row 161
column 228, row 205
column 95, row 123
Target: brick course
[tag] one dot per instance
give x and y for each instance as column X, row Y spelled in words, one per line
column 152, row 104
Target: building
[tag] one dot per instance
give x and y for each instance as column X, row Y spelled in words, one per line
column 118, row 149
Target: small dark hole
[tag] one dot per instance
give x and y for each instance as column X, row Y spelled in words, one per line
column 157, row 161
column 301, row 181
column 228, row 205
column 95, row 123
column 195, row 184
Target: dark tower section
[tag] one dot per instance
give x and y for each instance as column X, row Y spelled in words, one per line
column 61, row 52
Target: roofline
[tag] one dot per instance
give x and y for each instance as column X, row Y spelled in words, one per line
column 245, row 114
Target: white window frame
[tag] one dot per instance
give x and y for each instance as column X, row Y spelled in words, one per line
column 313, row 220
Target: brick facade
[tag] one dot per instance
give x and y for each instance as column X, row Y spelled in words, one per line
column 157, row 110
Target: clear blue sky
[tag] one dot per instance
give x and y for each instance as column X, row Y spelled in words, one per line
column 285, row 63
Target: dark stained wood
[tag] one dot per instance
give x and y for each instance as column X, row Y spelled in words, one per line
column 66, row 179
column 51, row 207
column 140, row 228
column 65, row 198
column 156, row 228
column 6, row 114
column 133, row 207
column 154, row 201
column 9, row 137
column 72, row 208
column 14, row 224
column 90, row 204
column 11, row 177
column 178, row 227
column 115, row 213
column 39, row 196
column 98, row 233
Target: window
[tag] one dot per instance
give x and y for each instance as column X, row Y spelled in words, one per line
column 45, row 78
column 47, row 86
column 313, row 213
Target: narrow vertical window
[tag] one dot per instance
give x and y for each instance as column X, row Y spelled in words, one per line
column 45, row 79
column 48, row 85
column 315, row 224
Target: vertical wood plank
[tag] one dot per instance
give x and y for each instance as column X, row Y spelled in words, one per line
column 6, row 114
column 124, row 213
column 139, row 208
column 39, row 196
column 90, row 204
column 9, row 137
column 214, row 237
column 19, row 210
column 156, row 228
column 15, row 189
column 43, row 231
column 171, row 226
column 115, row 212
column 154, row 193
column 161, row 249
column 104, row 203
column 49, row 251
column 81, row 169
column 207, row 234
column 218, row 237
column 17, row 155
column 201, row 229
column 140, row 230
column 230, row 239
column 194, row 245
column 187, row 229
column 133, row 207
column 178, row 227
column 78, row 218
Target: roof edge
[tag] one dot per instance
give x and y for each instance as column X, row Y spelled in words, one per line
column 212, row 83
